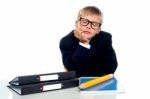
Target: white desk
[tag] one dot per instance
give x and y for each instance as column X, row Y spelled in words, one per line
column 71, row 93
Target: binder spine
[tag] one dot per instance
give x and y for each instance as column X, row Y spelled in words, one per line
column 67, row 75
column 70, row 84
column 31, row 89
column 43, row 87
column 23, row 80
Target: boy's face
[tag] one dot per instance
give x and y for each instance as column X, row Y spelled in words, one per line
column 89, row 25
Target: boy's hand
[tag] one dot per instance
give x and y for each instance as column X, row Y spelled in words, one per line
column 82, row 37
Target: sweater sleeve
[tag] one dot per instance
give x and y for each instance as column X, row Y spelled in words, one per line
column 73, row 56
column 110, row 59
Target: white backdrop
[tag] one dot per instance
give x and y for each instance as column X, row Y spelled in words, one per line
column 30, row 31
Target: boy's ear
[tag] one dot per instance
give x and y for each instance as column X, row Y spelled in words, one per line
column 98, row 30
column 76, row 22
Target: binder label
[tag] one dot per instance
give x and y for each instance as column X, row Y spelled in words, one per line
column 48, row 77
column 51, row 87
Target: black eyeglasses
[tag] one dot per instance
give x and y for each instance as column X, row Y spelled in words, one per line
column 85, row 22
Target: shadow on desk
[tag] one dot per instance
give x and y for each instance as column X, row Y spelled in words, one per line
column 98, row 96
column 70, row 93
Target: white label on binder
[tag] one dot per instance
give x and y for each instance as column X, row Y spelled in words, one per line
column 51, row 87
column 48, row 77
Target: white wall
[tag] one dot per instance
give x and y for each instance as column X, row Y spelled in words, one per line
column 30, row 31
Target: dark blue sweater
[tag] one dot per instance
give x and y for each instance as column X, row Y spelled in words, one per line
column 99, row 60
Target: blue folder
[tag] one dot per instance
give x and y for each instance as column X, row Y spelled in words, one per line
column 111, row 85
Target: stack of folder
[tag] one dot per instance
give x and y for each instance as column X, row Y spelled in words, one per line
column 30, row 84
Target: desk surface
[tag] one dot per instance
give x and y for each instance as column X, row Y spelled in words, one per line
column 70, row 93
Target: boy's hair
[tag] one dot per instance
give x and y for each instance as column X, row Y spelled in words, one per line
column 89, row 10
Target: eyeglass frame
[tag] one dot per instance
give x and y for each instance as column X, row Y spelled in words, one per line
column 88, row 21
